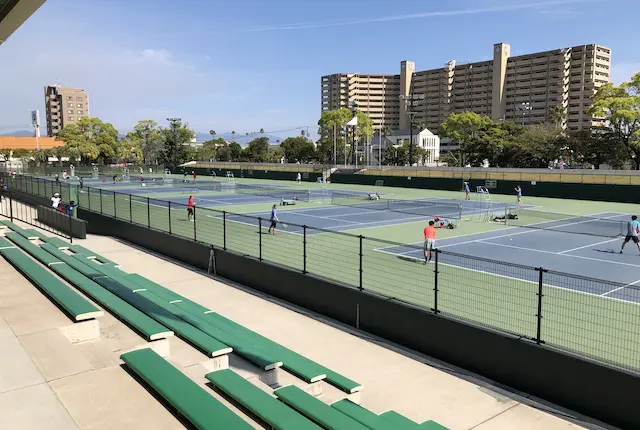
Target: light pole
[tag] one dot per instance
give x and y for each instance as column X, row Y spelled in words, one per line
column 524, row 107
column 410, row 102
column 354, row 110
column 174, row 128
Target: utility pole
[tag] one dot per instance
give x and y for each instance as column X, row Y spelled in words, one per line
column 409, row 103
column 524, row 107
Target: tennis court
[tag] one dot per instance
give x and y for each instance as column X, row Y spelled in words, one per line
column 488, row 273
column 563, row 246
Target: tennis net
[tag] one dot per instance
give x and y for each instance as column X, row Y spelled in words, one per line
column 578, row 224
column 279, row 193
column 450, row 209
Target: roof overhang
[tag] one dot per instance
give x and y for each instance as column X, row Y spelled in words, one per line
column 13, row 13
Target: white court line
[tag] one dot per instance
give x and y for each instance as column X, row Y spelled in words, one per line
column 563, row 255
column 620, row 288
column 519, row 279
column 524, row 280
column 587, row 246
column 514, row 234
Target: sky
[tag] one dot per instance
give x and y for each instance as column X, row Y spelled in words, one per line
column 244, row 65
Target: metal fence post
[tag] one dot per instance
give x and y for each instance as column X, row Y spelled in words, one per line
column 71, row 228
column 435, row 283
column 148, row 213
column 114, row 205
column 89, row 196
column 169, row 206
column 260, row 238
column 224, row 230
column 130, row 210
column 100, row 200
column 10, row 206
column 361, row 237
column 304, row 249
column 195, row 237
column 539, row 314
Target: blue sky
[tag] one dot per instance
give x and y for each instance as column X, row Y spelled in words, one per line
column 244, row 65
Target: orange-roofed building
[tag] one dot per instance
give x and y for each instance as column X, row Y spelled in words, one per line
column 29, row 142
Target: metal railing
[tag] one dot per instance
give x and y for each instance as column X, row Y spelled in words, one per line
column 594, row 318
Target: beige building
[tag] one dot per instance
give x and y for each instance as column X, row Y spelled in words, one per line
column 523, row 88
column 64, row 106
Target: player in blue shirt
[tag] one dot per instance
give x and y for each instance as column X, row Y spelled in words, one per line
column 467, row 191
column 518, row 194
column 633, row 229
column 274, row 219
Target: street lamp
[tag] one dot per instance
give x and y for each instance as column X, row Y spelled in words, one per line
column 524, row 107
column 410, row 102
column 354, row 109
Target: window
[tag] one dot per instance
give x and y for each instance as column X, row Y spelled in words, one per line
column 70, row 105
column 79, row 105
column 71, row 118
column 79, row 98
column 69, row 111
column 69, row 98
column 80, row 112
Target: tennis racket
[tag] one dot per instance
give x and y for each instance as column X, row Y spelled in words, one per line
column 284, row 225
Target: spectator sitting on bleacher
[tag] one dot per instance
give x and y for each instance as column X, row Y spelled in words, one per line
column 373, row 196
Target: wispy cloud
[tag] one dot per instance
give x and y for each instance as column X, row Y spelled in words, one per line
column 436, row 14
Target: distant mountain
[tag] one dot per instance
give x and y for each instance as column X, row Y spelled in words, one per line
column 19, row 133
column 241, row 139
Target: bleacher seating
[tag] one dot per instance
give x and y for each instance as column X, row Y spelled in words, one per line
column 316, row 409
column 157, row 312
column 258, row 402
column 74, row 305
column 199, row 407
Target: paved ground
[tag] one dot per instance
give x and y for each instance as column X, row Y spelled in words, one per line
column 47, row 382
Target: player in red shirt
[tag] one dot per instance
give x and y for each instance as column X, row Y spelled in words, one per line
column 429, row 241
column 191, row 205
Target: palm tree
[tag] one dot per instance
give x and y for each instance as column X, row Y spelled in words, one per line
column 212, row 133
column 262, row 131
column 233, row 136
column 557, row 115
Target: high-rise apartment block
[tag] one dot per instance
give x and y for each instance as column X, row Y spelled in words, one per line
column 524, row 88
column 64, row 106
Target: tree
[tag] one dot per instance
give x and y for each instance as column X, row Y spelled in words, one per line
column 257, row 150
column 175, row 137
column 557, row 115
column 89, row 139
column 209, row 149
column 324, row 150
column 233, row 135
column 536, row 147
column 597, row 146
column 463, row 129
column 129, row 151
column 212, row 133
column 619, row 106
column 298, row 149
column 149, row 138
column 189, row 153
column 275, row 154
column 262, row 131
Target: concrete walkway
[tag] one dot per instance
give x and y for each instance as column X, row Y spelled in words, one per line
column 48, row 382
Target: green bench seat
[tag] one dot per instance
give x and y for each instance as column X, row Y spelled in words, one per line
column 201, row 409
column 57, row 242
column 400, row 421
column 32, row 249
column 240, row 346
column 203, row 342
column 4, row 243
column 431, row 425
column 144, row 325
column 35, row 233
column 316, row 410
column 19, row 230
column 75, row 306
column 260, row 403
column 362, row 415
column 292, row 361
column 80, row 250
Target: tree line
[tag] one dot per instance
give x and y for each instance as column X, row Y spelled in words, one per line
column 478, row 138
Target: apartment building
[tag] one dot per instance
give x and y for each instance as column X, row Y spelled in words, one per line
column 521, row 88
column 64, row 106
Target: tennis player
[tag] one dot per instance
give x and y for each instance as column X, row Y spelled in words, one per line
column 429, row 241
column 298, row 178
column 467, row 191
column 193, row 173
column 274, row 220
column 633, row 229
column 190, row 209
column 518, row 190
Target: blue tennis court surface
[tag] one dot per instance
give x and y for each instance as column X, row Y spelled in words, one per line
column 341, row 218
column 581, row 254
